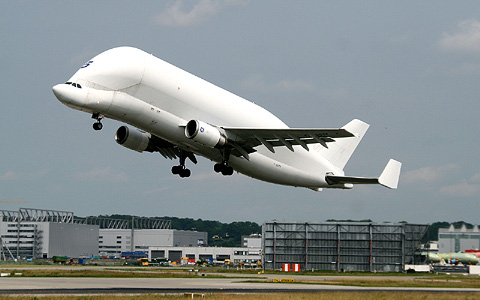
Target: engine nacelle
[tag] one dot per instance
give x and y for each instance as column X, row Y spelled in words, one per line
column 134, row 139
column 205, row 134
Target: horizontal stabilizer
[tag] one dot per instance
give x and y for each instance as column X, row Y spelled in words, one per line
column 388, row 178
column 391, row 174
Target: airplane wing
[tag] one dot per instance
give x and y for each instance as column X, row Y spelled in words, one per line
column 243, row 140
column 168, row 150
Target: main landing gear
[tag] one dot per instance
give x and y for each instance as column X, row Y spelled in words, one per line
column 181, row 170
column 98, row 125
column 223, row 167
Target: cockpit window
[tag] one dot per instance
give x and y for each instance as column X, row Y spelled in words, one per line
column 77, row 85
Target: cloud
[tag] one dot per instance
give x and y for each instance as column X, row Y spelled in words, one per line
column 9, row 176
column 428, row 175
column 107, row 174
column 476, row 177
column 176, row 15
column 463, row 189
column 465, row 39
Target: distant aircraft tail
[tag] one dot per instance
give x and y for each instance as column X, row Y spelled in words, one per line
column 340, row 151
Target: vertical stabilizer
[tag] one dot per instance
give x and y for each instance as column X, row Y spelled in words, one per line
column 339, row 152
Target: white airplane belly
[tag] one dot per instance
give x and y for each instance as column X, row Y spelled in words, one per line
column 272, row 169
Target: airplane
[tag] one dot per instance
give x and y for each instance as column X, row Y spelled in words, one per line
column 183, row 116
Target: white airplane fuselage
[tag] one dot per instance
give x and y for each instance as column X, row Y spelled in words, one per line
column 132, row 86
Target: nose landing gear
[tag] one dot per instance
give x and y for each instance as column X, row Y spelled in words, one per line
column 98, row 125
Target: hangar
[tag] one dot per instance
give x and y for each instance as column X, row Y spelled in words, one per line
column 349, row 246
column 458, row 239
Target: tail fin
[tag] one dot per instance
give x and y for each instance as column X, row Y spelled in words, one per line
column 342, row 149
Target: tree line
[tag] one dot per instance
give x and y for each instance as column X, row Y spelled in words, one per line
column 219, row 234
column 230, row 234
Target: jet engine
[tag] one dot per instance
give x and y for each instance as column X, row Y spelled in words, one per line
column 205, row 134
column 134, row 139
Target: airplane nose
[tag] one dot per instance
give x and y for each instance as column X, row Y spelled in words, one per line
column 59, row 92
column 69, row 95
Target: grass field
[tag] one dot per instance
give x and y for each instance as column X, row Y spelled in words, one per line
column 289, row 296
column 104, row 273
column 349, row 279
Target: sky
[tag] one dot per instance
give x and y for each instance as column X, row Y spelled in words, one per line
column 410, row 69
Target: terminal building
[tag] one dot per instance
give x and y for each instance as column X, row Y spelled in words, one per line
column 348, row 246
column 453, row 239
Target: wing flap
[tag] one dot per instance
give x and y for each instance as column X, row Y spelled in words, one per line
column 284, row 137
column 169, row 150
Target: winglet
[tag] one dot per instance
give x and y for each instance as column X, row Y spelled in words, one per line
column 390, row 174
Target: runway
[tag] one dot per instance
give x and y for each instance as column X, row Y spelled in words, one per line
column 82, row 285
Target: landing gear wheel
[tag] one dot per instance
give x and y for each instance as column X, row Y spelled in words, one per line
column 227, row 171
column 218, row 168
column 97, row 126
column 224, row 169
column 176, row 170
column 181, row 171
column 185, row 173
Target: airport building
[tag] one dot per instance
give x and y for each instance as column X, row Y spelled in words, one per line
column 458, row 239
column 117, row 236
column 348, row 246
column 252, row 240
column 37, row 233
column 215, row 255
